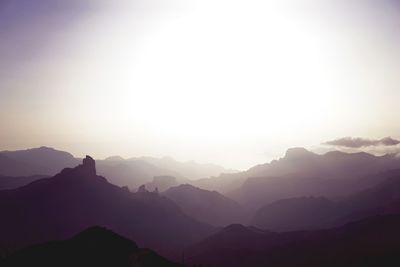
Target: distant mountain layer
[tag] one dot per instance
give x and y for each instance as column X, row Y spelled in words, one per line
column 207, row 206
column 43, row 161
column 7, row 182
column 302, row 173
column 303, row 213
column 95, row 246
column 371, row 242
column 130, row 172
column 318, row 212
column 56, row 208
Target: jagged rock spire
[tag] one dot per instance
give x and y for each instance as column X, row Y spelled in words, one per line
column 88, row 167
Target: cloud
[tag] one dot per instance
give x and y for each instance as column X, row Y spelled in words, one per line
column 352, row 142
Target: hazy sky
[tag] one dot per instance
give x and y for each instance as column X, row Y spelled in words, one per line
column 224, row 81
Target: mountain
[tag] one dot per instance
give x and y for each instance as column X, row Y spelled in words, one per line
column 374, row 241
column 207, row 206
column 303, row 213
column 75, row 199
column 95, row 246
column 303, row 173
column 190, row 169
column 134, row 172
column 383, row 198
column 42, row 160
column 48, row 161
column 131, row 173
column 312, row 213
column 382, row 193
column 11, row 167
column 334, row 164
column 7, row 182
column 237, row 245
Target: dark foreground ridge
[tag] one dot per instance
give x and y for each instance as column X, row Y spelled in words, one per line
column 58, row 207
column 96, row 246
column 371, row 242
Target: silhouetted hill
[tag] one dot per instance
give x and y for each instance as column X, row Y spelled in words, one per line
column 382, row 193
column 42, row 160
column 11, row 167
column 384, row 198
column 304, row 213
column 131, row 172
column 207, row 206
column 371, row 242
column 302, row 173
column 8, row 182
column 56, row 208
column 95, row 246
column 299, row 173
column 334, row 164
column 311, row 213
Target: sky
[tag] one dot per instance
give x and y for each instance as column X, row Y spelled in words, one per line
column 229, row 82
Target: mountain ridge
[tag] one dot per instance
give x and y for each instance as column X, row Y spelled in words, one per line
column 76, row 198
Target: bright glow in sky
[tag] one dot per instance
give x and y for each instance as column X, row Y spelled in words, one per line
column 230, row 82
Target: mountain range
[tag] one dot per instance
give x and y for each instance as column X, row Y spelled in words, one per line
column 371, row 242
column 133, row 172
column 302, row 173
column 11, row 182
column 319, row 212
column 305, row 209
column 76, row 198
column 206, row 206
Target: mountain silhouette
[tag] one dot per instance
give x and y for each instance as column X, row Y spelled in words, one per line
column 383, row 198
column 303, row 213
column 370, row 242
column 35, row 161
column 12, row 182
column 95, row 246
column 207, row 206
column 332, row 173
column 134, row 172
column 318, row 212
column 303, row 173
column 131, row 172
column 75, row 199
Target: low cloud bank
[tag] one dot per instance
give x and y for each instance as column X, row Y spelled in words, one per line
column 352, row 142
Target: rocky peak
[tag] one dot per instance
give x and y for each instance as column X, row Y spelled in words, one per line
column 298, row 153
column 88, row 166
column 86, row 169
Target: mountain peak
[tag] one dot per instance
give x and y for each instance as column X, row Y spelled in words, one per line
column 86, row 169
column 298, row 153
column 88, row 166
